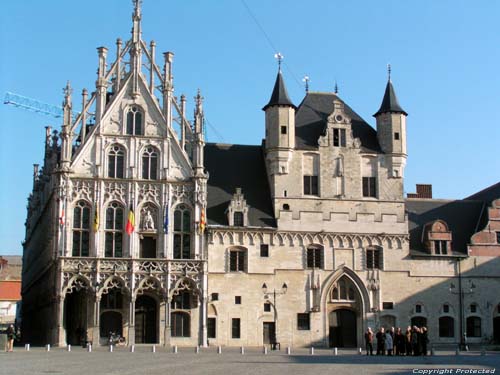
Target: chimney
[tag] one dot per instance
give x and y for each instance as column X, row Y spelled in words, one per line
column 424, row 191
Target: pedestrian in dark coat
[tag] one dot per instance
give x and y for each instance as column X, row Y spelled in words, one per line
column 415, row 341
column 408, row 341
column 399, row 342
column 425, row 340
column 381, row 341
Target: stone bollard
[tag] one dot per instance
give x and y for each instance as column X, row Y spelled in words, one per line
column 242, row 350
column 360, row 351
column 197, row 349
column 335, row 351
column 457, row 351
column 47, row 347
column 174, row 349
column 264, row 350
column 69, row 348
column 288, row 350
column 153, row 349
column 132, row 348
column 111, row 348
column 311, row 351
column 219, row 349
column 27, row 347
column 89, row 348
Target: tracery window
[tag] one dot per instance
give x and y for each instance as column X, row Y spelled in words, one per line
column 113, row 244
column 343, row 291
column 182, row 232
column 116, row 158
column 150, row 163
column 81, row 229
column 134, row 121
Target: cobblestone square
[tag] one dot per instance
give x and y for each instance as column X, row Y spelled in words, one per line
column 230, row 361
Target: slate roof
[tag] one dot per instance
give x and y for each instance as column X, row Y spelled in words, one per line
column 311, row 121
column 233, row 166
column 279, row 95
column 461, row 216
column 390, row 101
column 486, row 196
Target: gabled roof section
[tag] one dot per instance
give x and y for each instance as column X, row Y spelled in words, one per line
column 312, row 117
column 390, row 102
column 486, row 196
column 461, row 216
column 279, row 95
column 238, row 166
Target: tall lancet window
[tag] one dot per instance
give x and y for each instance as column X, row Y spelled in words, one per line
column 134, row 121
column 182, row 232
column 116, row 158
column 113, row 244
column 81, row 229
column 150, row 163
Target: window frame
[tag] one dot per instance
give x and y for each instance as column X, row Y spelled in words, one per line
column 114, row 232
column 81, row 229
column 235, row 328
column 240, row 259
column 446, row 331
column 116, row 158
column 369, row 185
column 150, row 162
column 184, row 330
column 182, row 232
column 264, row 250
column 311, row 185
column 238, row 219
column 134, row 120
column 374, row 258
column 473, row 326
column 303, row 321
column 339, row 137
column 314, row 257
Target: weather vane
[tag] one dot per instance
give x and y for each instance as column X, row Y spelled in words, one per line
column 306, row 80
column 279, row 57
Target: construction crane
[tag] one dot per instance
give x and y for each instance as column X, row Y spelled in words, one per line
column 32, row 105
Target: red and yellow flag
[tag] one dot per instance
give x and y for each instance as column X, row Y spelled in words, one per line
column 129, row 228
column 203, row 222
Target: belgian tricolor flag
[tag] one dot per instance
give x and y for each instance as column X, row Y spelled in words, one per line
column 130, row 226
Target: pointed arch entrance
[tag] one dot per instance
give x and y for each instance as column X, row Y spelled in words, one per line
column 146, row 312
column 346, row 302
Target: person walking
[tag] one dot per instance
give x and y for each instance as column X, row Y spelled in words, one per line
column 380, row 341
column 11, row 333
column 389, row 343
column 369, row 341
column 415, row 341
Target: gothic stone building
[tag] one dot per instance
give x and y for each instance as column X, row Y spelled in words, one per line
column 136, row 226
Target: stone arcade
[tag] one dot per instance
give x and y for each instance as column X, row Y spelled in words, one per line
column 136, row 226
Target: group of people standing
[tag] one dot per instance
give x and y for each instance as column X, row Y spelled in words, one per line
column 396, row 342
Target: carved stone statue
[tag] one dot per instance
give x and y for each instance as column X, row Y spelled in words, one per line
column 148, row 221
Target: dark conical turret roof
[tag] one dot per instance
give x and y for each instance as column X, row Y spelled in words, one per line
column 390, row 102
column 279, row 95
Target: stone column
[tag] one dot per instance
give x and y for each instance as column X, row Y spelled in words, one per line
column 61, row 332
column 166, row 331
column 203, row 317
column 97, row 319
column 131, row 322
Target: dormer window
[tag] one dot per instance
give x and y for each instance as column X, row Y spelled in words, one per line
column 237, row 212
column 339, row 138
column 437, row 237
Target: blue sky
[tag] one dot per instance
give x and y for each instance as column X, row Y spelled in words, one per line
column 444, row 54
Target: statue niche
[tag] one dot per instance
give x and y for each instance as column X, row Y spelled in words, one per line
column 148, row 232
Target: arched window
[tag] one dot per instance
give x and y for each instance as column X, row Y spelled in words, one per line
column 113, row 246
column 134, row 121
column 181, row 301
column 180, row 323
column 149, row 163
column 182, row 232
column 473, row 326
column 343, row 290
column 238, row 219
column 116, row 157
column 446, row 326
column 81, row 229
